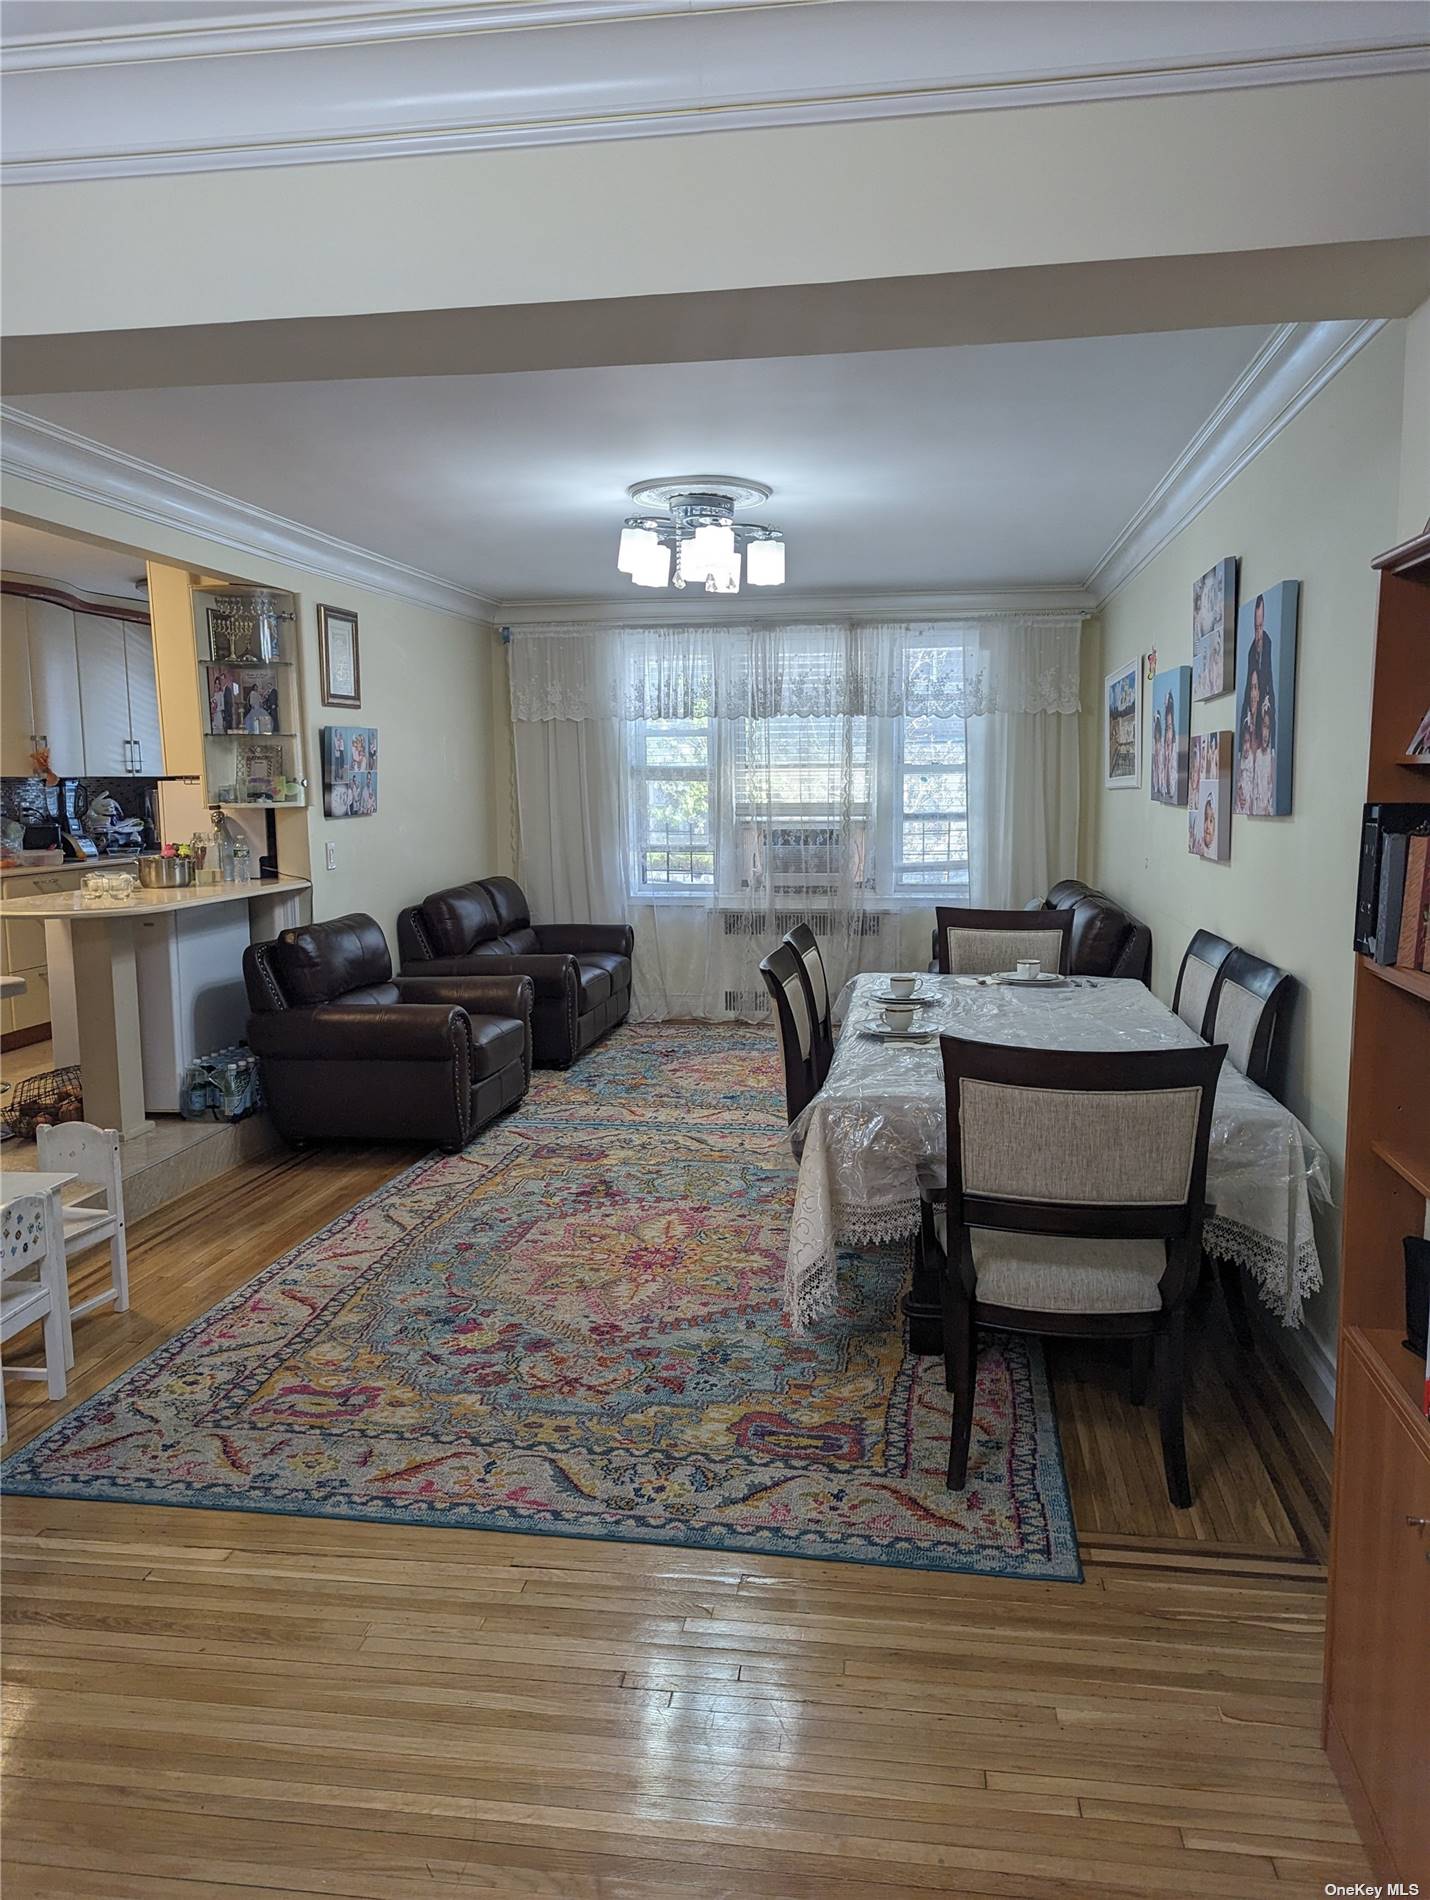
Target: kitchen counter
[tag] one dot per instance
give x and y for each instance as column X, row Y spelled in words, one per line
column 91, row 949
column 143, row 903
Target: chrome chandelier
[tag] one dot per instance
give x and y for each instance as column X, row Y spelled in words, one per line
column 697, row 541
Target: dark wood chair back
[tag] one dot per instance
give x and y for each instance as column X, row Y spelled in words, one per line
column 805, row 945
column 1249, row 1014
column 1195, row 995
column 785, row 979
column 981, row 942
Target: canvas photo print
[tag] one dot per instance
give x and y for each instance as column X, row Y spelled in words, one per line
column 349, row 771
column 1170, row 735
column 1214, row 630
column 1122, row 726
column 1266, row 701
column 1209, row 796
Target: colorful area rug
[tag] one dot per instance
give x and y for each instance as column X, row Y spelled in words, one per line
column 575, row 1328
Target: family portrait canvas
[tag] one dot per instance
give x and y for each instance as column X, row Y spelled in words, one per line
column 1171, row 739
column 1122, row 721
column 1214, row 630
column 349, row 771
column 1266, row 701
column 243, row 699
column 1209, row 797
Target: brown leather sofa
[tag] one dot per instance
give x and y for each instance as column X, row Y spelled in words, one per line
column 347, row 1051
column 1106, row 939
column 581, row 972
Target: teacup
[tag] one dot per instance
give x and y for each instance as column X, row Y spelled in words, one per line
column 899, row 1016
column 1028, row 968
column 902, row 985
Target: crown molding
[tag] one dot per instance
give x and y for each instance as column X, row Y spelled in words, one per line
column 437, row 80
column 334, row 26
column 53, row 457
column 849, row 604
column 1289, row 371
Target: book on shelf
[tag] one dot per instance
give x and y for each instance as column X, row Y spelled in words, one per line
column 1390, row 895
column 1410, row 947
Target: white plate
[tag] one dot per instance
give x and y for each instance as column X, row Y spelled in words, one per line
column 906, row 1002
column 1045, row 980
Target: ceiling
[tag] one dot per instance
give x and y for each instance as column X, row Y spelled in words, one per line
column 87, row 565
column 971, row 468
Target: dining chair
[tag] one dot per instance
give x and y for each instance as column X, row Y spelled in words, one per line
column 982, row 942
column 1249, row 1013
column 805, row 945
column 97, row 1215
column 1197, row 981
column 784, row 977
column 1074, row 1207
column 32, row 1289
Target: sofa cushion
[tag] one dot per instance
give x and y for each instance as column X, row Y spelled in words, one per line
column 616, row 967
column 1100, row 930
column 522, row 943
column 508, row 901
column 318, row 963
column 496, row 1041
column 1066, row 894
column 595, row 983
column 459, row 920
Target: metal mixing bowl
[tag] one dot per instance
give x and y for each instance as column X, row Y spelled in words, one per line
column 164, row 874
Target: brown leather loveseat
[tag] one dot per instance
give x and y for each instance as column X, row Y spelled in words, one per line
column 1106, row 939
column 347, row 1051
column 581, row 972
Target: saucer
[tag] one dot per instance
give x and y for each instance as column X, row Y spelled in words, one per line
column 906, row 1002
column 899, row 1035
column 1044, row 980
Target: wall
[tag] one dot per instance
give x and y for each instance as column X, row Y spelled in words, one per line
column 427, row 685
column 1315, row 506
column 1185, row 175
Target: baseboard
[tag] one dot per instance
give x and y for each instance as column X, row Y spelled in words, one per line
column 18, row 1038
column 1309, row 1362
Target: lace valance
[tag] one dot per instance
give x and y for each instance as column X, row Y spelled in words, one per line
column 839, row 669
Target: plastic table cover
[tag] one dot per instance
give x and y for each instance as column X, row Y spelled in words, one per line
column 876, row 1131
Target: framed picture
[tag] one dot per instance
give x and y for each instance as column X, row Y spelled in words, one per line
column 1214, row 630
column 349, row 771
column 1209, row 796
column 242, row 699
column 338, row 657
column 1122, row 718
column 1419, row 747
column 1266, row 701
column 1171, row 736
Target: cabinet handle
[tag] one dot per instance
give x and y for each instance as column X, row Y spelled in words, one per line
column 1421, row 1521
column 139, row 755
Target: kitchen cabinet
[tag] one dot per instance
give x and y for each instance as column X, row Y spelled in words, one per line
column 119, row 698
column 41, row 687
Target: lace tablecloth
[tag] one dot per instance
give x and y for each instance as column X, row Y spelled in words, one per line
column 876, row 1129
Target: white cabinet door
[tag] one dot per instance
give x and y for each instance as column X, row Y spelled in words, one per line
column 104, row 696
column 144, row 728
column 17, row 723
column 55, row 685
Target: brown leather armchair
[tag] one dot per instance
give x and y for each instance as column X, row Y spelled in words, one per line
column 581, row 972
column 347, row 1051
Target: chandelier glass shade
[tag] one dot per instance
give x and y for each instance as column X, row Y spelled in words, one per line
column 697, row 541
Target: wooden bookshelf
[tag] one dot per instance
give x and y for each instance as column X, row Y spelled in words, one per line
column 1377, row 1660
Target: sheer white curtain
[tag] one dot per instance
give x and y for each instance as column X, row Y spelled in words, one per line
column 714, row 784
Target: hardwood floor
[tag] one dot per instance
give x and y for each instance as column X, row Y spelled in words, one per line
column 219, row 1704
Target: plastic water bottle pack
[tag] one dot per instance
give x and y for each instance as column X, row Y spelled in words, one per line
column 224, row 1086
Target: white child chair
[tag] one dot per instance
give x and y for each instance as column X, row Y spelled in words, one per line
column 32, row 1287
column 98, row 1213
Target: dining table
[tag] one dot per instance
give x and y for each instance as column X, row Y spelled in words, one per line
column 874, row 1136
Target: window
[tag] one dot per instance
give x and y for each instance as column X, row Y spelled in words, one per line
column 673, row 843
column 799, row 805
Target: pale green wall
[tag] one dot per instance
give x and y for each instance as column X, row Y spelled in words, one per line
column 1315, row 506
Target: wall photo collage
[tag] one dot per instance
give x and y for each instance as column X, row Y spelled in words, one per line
column 1244, row 647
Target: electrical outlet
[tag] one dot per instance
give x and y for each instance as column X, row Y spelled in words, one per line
column 330, row 852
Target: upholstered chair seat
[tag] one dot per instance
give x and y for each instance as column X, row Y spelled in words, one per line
column 1059, row 1273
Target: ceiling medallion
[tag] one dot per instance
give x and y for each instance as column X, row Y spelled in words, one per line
column 697, row 541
